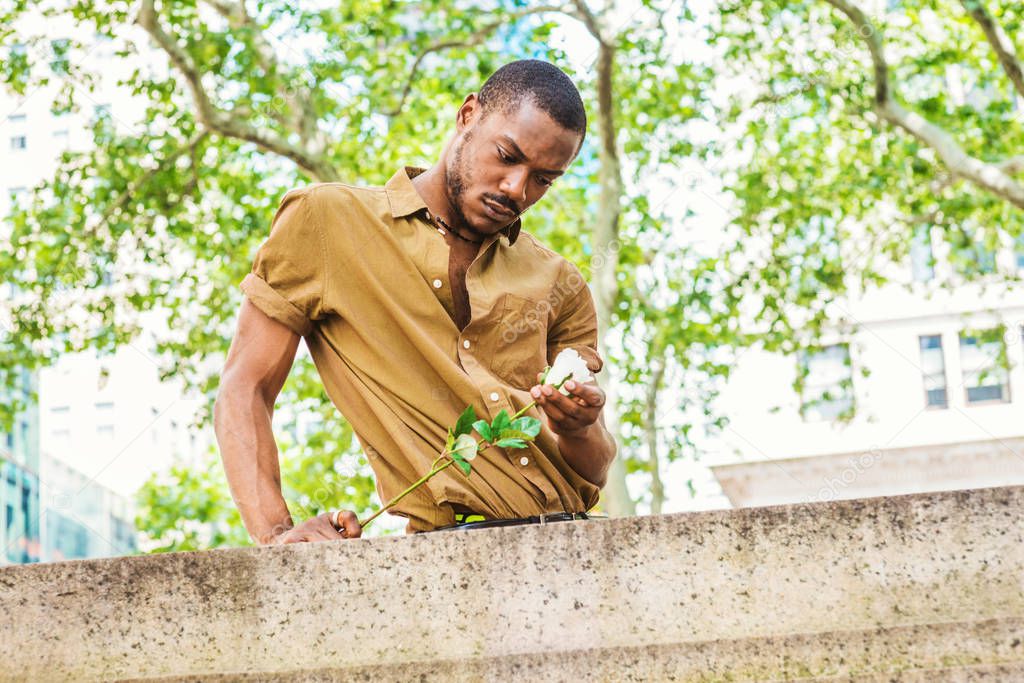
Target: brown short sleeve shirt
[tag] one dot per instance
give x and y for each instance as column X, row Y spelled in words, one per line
column 363, row 277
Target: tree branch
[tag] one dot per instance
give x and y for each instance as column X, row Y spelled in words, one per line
column 985, row 175
column 999, row 41
column 304, row 119
column 1012, row 166
column 591, row 21
column 225, row 123
column 473, row 39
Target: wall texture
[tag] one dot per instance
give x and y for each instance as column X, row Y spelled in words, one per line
column 915, row 588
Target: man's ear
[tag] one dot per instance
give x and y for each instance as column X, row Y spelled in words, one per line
column 468, row 113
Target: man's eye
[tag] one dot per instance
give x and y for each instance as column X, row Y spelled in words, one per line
column 504, row 157
column 545, row 182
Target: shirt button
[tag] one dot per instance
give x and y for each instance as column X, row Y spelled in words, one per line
column 465, row 344
column 495, row 396
column 524, row 461
column 437, row 284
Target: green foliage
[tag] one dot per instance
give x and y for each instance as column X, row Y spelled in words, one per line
column 505, row 432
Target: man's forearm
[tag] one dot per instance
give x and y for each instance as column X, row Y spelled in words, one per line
column 589, row 453
column 242, row 422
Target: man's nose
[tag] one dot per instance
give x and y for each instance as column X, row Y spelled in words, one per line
column 514, row 186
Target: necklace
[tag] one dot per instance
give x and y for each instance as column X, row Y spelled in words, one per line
column 444, row 226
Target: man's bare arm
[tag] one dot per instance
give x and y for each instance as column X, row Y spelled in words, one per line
column 589, row 452
column 258, row 363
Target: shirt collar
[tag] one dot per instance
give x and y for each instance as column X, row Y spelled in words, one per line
column 405, row 200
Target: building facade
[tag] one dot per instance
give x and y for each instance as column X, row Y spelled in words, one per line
column 19, row 482
column 923, row 391
column 82, row 519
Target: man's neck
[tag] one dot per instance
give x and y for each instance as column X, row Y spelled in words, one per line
column 430, row 186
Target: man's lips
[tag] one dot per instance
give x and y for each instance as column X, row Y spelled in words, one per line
column 499, row 208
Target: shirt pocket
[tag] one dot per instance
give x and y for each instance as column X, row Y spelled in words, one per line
column 520, row 349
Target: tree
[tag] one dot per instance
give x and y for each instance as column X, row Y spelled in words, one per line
column 859, row 133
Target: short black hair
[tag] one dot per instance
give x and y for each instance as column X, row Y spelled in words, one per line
column 541, row 83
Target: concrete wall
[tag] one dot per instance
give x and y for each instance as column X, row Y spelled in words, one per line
column 924, row 587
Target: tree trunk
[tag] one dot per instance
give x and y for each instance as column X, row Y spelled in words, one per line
column 604, row 264
column 651, row 435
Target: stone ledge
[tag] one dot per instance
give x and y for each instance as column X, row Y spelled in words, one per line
column 890, row 588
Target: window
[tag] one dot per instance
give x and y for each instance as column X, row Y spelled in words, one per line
column 17, row 119
column 59, row 430
column 105, row 432
column 984, row 364
column 933, row 367
column 922, row 261
column 827, row 392
column 105, row 407
column 1018, row 251
column 19, row 142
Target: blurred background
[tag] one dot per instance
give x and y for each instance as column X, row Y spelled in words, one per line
column 801, row 221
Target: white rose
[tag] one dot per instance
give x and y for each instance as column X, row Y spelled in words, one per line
column 466, row 446
column 568, row 365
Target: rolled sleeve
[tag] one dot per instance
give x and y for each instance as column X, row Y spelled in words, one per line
column 275, row 306
column 576, row 327
column 288, row 274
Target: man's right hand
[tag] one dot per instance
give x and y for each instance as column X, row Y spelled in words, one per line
column 319, row 528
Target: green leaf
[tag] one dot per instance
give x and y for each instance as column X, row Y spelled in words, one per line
column 483, row 429
column 510, row 443
column 527, row 425
column 514, row 434
column 465, row 423
column 501, row 421
column 462, row 463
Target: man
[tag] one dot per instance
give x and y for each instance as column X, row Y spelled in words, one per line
column 416, row 300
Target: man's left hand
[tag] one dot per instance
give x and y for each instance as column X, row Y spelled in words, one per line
column 569, row 415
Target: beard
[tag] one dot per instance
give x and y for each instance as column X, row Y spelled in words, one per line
column 457, row 177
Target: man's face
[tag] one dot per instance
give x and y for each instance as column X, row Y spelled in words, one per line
column 503, row 163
